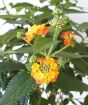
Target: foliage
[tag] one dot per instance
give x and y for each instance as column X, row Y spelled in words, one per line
column 15, row 74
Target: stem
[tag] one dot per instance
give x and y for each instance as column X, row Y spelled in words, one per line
column 59, row 50
column 30, row 44
column 57, row 31
column 39, row 101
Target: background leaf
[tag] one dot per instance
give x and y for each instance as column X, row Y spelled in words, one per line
column 41, row 1
column 81, row 66
column 11, row 66
column 42, row 43
column 8, row 36
column 86, row 101
column 21, row 85
column 68, row 82
column 70, row 55
column 83, row 26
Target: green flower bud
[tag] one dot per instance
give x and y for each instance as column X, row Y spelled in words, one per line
column 19, row 35
column 65, row 19
column 57, row 22
column 57, row 12
column 32, row 59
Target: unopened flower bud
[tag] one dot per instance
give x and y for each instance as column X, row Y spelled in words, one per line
column 32, row 59
column 19, row 35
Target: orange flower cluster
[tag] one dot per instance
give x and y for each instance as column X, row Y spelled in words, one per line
column 34, row 31
column 68, row 37
column 45, row 70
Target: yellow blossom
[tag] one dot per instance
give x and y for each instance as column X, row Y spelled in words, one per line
column 45, row 70
column 42, row 30
column 34, row 31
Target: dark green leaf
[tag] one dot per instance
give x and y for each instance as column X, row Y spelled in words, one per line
column 19, row 86
column 83, row 26
column 23, row 101
column 64, row 102
column 13, row 17
column 19, row 50
column 55, row 2
column 81, row 66
column 86, row 101
column 10, row 66
column 81, row 48
column 67, row 82
column 23, row 4
column 26, row 49
column 70, row 55
column 45, row 9
column 35, row 98
column 43, row 16
column 19, row 6
column 8, row 36
column 72, row 11
column 51, row 99
column 42, row 43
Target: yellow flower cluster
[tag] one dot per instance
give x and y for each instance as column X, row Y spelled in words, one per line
column 34, row 31
column 45, row 70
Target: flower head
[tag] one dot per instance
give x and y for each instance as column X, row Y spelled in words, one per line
column 28, row 37
column 38, row 29
column 45, row 70
column 68, row 37
column 67, row 42
column 68, row 34
column 42, row 30
column 34, row 31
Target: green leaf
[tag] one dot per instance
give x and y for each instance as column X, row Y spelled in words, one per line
column 68, row 82
column 43, row 16
column 23, row 4
column 20, row 6
column 23, row 50
column 81, row 66
column 23, row 101
column 86, row 101
column 11, row 66
column 83, row 26
column 21, row 85
column 70, row 55
column 8, row 36
column 51, row 99
column 55, row 2
column 41, row 1
column 26, row 49
column 64, row 102
column 42, row 43
column 11, row 17
column 81, row 48
column 36, row 99
column 72, row 11
column 45, row 9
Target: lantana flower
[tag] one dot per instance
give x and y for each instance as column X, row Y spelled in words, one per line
column 34, row 31
column 69, row 38
column 45, row 70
